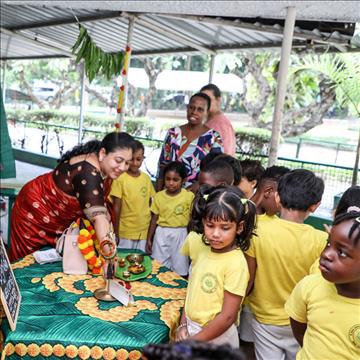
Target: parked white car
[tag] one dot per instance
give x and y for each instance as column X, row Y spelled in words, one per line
column 46, row 92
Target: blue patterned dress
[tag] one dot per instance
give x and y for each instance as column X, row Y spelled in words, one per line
column 208, row 142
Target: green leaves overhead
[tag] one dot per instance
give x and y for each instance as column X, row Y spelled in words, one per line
column 96, row 61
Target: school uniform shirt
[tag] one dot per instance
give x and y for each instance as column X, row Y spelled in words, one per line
column 135, row 194
column 211, row 275
column 333, row 321
column 284, row 253
column 173, row 211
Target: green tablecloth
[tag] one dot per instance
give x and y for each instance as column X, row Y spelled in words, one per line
column 60, row 318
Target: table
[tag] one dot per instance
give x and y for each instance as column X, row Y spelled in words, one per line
column 60, row 318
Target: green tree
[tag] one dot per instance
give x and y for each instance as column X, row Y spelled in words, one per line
column 342, row 72
column 308, row 97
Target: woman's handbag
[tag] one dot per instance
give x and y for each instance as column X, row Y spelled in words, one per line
column 74, row 262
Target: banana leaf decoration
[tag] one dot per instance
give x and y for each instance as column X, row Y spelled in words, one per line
column 96, row 61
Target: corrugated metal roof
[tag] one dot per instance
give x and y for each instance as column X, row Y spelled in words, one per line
column 42, row 31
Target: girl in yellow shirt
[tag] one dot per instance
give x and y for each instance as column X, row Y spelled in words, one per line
column 324, row 308
column 220, row 276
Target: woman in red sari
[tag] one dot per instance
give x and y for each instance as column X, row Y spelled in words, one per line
column 78, row 186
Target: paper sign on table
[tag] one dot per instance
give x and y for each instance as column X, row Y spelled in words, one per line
column 120, row 293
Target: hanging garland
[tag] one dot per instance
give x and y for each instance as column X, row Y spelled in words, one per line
column 96, row 61
column 89, row 246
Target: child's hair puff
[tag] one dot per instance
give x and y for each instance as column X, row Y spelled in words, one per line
column 354, row 215
column 223, row 203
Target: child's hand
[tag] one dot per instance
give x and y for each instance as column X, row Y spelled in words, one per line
column 148, row 247
column 181, row 333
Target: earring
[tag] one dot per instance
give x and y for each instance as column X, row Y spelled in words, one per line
column 205, row 240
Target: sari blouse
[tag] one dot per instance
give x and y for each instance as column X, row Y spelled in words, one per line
column 208, row 142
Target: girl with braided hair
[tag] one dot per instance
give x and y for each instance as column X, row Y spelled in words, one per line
column 221, row 226
column 324, row 308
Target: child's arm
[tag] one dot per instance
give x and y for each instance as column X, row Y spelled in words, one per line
column 181, row 331
column 117, row 210
column 222, row 321
column 151, row 231
column 298, row 330
column 251, row 261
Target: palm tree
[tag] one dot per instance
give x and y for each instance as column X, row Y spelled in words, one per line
column 343, row 71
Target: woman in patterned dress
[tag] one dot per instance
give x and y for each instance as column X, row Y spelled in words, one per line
column 191, row 142
column 78, row 186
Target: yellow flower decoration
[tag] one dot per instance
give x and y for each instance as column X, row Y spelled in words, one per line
column 122, row 354
column 59, row 350
column 109, row 353
column 96, row 352
column 21, row 349
column 46, row 350
column 135, row 355
column 84, row 352
column 33, row 350
column 71, row 351
column 9, row 349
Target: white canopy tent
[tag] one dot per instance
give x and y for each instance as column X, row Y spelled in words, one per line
column 49, row 28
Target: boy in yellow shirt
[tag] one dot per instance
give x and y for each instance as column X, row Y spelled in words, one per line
column 324, row 308
column 131, row 193
column 170, row 217
column 279, row 257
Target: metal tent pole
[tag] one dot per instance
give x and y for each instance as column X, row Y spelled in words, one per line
column 82, row 95
column 212, row 68
column 281, row 84
column 126, row 68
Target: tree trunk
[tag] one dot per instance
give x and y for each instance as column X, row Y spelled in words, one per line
column 152, row 73
column 28, row 88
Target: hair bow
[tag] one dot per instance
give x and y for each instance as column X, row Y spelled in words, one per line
column 205, row 197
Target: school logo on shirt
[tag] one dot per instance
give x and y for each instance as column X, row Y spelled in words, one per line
column 209, row 283
column 354, row 335
column 143, row 191
column 179, row 210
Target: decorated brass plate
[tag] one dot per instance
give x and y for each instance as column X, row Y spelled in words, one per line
column 135, row 258
column 136, row 268
column 139, row 267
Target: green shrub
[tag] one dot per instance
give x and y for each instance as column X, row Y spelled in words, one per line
column 252, row 140
column 92, row 122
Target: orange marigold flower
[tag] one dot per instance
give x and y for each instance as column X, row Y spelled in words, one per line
column 9, row 349
column 96, row 352
column 84, row 352
column 122, row 354
column 71, row 351
column 46, row 350
column 109, row 353
column 21, row 349
column 33, row 350
column 58, row 350
column 135, row 355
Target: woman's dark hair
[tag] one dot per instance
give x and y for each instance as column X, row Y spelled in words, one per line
column 203, row 96
column 111, row 142
column 355, row 228
column 223, row 203
column 176, row 166
column 213, row 88
column 191, row 350
column 351, row 197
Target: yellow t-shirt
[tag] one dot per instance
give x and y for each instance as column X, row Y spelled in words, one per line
column 314, row 269
column 333, row 321
column 173, row 211
column 135, row 194
column 193, row 246
column 211, row 275
column 284, row 253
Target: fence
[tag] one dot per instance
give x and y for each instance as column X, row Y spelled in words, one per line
column 337, row 178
